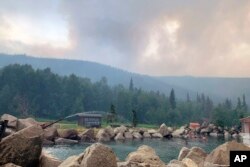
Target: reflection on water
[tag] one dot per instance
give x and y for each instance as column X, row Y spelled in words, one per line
column 166, row 149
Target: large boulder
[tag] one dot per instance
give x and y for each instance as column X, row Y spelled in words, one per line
column 110, row 131
column 61, row 141
column 96, row 155
column 24, row 123
column 88, row 135
column 68, row 134
column 23, row 147
column 103, row 135
column 10, row 165
column 128, row 135
column 183, row 153
column 146, row 135
column 50, row 133
column 99, row 155
column 176, row 163
column 145, row 156
column 72, row 161
column 151, row 131
column 220, row 155
column 178, row 132
column 119, row 136
column 189, row 162
column 157, row 135
column 197, row 155
column 121, row 129
column 12, row 121
column 137, row 135
column 47, row 160
column 163, row 130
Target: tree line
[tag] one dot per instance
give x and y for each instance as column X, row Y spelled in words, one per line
column 25, row 91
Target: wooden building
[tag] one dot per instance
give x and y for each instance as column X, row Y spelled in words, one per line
column 245, row 123
column 89, row 120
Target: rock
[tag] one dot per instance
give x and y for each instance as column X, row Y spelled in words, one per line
column 220, row 155
column 178, row 132
column 48, row 142
column 88, row 135
column 65, row 141
column 110, row 131
column 197, row 155
column 170, row 130
column 183, row 153
column 213, row 134
column 12, row 121
column 163, row 130
column 189, row 162
column 68, row 134
column 142, row 130
column 121, row 129
column 227, row 134
column 72, row 161
column 24, row 123
column 103, row 135
column 119, row 136
column 23, row 147
column 204, row 131
column 128, row 135
column 176, row 163
column 146, row 156
column 8, row 132
column 146, row 135
column 50, row 133
column 235, row 135
column 48, row 161
column 99, row 155
column 151, row 131
column 157, row 135
column 137, row 135
column 10, row 165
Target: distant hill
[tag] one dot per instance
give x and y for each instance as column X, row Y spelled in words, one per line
column 217, row 88
column 94, row 71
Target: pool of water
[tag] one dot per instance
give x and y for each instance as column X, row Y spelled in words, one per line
column 166, row 149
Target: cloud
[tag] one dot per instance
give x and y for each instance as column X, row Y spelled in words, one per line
column 161, row 37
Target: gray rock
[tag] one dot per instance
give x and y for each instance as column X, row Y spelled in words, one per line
column 119, row 136
column 12, row 121
column 128, row 135
column 137, row 135
column 65, row 141
column 22, row 148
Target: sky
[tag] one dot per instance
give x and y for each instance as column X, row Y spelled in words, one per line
column 154, row 37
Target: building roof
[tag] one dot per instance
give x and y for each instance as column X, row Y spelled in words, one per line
column 88, row 115
column 245, row 119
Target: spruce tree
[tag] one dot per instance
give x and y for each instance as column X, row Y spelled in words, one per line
column 131, row 85
column 172, row 99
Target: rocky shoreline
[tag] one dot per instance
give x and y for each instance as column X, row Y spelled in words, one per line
column 24, row 139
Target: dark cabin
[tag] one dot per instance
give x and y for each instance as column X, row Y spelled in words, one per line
column 89, row 120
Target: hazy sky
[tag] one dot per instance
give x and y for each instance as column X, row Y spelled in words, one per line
column 156, row 37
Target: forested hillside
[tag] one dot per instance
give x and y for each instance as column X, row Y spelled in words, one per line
column 25, row 91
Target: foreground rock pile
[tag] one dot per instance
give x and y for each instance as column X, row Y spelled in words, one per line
column 22, row 146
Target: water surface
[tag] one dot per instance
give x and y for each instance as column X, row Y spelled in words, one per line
column 166, row 149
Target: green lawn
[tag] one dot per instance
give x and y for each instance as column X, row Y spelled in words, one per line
column 65, row 124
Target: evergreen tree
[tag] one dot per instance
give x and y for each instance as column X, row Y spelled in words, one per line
column 188, row 98
column 244, row 104
column 134, row 118
column 131, row 85
column 239, row 103
column 172, row 99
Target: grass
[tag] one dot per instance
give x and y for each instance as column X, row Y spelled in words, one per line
column 65, row 124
